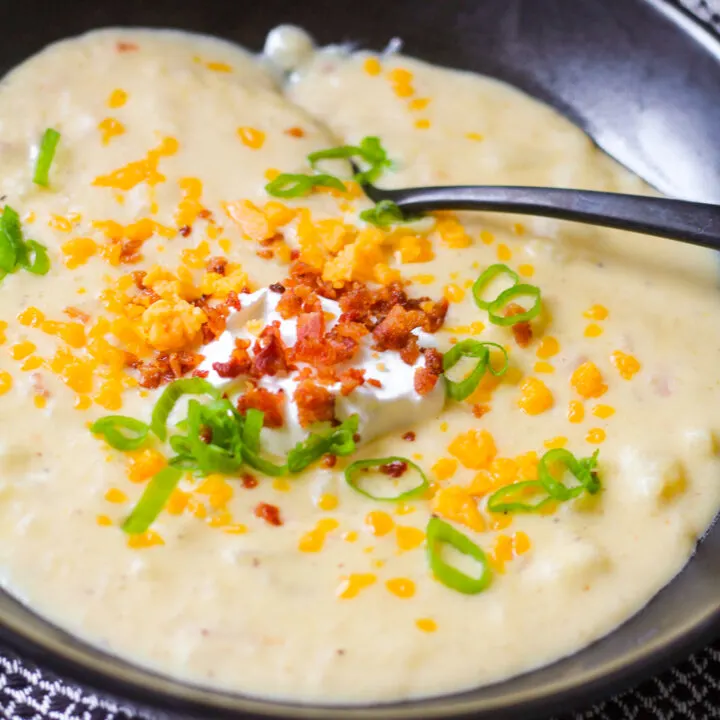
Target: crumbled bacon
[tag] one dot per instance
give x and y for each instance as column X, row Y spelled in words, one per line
column 479, row 410
column 248, row 481
column 409, row 436
column 269, row 513
column 522, row 331
column 240, row 362
column 163, row 368
column 270, row 352
column 267, row 402
column 205, row 214
column 426, row 377
column 329, row 460
column 395, row 469
column 216, row 315
column 200, row 373
column 265, row 254
column 394, row 332
column 277, row 288
column 311, row 347
column 123, row 47
column 296, row 132
column 205, row 434
column 233, row 301
column 290, row 305
column 374, row 382
column 77, row 314
column 411, row 352
column 130, row 251
column 314, row 402
column 277, row 237
column 435, row 313
column 217, row 265
column 351, row 379
column 185, row 230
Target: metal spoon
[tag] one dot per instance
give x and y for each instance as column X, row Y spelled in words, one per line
column 690, row 222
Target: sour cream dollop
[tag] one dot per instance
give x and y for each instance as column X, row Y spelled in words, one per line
column 393, row 407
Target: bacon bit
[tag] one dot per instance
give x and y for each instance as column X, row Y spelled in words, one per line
column 77, row 314
column 205, row 434
column 374, row 382
column 185, row 230
column 351, row 379
column 479, row 410
column 123, row 47
column 217, row 265
column 296, row 132
column 433, row 361
column 270, row 352
column 164, row 368
column 267, row 402
column 522, row 331
column 409, row 436
column 269, row 513
column 200, row 373
column 329, row 461
column 277, row 288
column 216, row 316
column 265, row 254
column 394, row 332
column 315, row 403
column 424, row 381
column 395, row 469
column 290, row 304
column 411, row 352
column 248, row 481
column 233, row 301
column 311, row 346
column 205, row 214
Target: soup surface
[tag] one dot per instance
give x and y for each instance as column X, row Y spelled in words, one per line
column 295, row 585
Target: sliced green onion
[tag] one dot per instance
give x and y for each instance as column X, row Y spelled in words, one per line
column 11, row 238
column 354, row 469
column 473, row 349
column 251, row 429
column 582, row 470
column 172, row 393
column 37, row 262
column 262, row 465
column 504, row 298
column 49, row 143
column 438, row 533
column 288, row 185
column 512, row 498
column 484, row 280
column 222, row 454
column 339, row 441
column 121, row 432
column 370, row 150
column 386, row 213
column 152, row 501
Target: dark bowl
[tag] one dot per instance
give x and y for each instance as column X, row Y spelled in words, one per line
column 644, row 80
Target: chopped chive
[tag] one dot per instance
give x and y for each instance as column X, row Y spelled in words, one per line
column 48, row 145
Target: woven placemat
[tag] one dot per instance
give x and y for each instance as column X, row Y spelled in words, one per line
column 688, row 691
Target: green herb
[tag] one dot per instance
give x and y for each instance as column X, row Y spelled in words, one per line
column 49, row 143
column 496, row 306
column 262, row 465
column 516, row 498
column 370, row 151
column 170, row 396
column 386, row 213
column 152, row 501
column 287, row 185
column 254, row 420
column 547, row 489
column 472, row 349
column 121, row 432
column 339, row 441
column 214, row 437
column 582, row 471
column 438, row 533
column 40, row 262
column 353, row 471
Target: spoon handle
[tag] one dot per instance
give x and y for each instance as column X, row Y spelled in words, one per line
column 691, row 222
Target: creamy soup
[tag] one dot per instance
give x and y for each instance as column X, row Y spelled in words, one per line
column 170, row 258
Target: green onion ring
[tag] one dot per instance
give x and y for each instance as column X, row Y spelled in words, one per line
column 484, row 280
column 111, row 427
column 339, row 441
column 503, row 299
column 499, row 502
column 580, row 469
column 474, row 349
column 40, row 263
column 172, row 393
column 48, row 145
column 439, row 532
column 288, row 185
column 359, row 465
column 152, row 501
column 251, row 429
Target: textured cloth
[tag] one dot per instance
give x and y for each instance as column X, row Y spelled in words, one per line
column 689, row 691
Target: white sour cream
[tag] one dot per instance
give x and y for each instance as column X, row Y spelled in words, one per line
column 391, row 408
